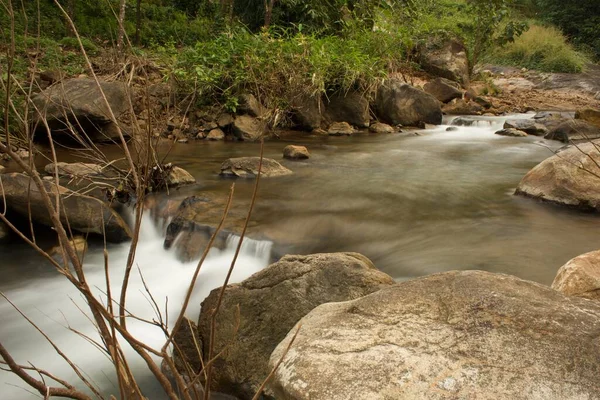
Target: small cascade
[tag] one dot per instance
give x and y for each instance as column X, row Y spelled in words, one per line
column 260, row 249
column 59, row 304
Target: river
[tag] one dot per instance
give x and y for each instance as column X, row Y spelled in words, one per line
column 414, row 204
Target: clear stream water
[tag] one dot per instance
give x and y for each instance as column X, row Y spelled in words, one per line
column 415, row 205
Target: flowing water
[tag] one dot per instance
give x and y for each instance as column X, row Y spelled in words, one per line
column 415, row 205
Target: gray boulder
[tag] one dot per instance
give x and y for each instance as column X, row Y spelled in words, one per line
column 248, row 128
column 575, row 130
column 74, row 169
column 340, row 129
column 79, row 103
column 447, row 59
column 529, row 126
column 82, row 213
column 351, row 107
column 251, row 106
column 215, row 134
column 178, row 176
column 380, row 127
column 307, row 112
column 247, row 167
column 400, row 104
column 569, row 178
column 455, row 335
column 462, row 107
column 443, row 89
column 511, row 132
column 292, row 152
column 269, row 303
column 580, row 277
column 590, row 115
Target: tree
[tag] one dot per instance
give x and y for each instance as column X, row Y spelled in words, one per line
column 121, row 20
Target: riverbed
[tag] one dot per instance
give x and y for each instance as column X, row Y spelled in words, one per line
column 415, row 203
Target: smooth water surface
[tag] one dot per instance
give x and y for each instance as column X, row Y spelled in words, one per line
column 415, row 205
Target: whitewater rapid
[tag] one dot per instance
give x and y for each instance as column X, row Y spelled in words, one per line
column 54, row 305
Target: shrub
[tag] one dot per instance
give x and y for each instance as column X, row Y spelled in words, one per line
column 541, row 48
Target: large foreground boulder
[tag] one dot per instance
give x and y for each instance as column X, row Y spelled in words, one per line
column 398, row 103
column 455, row 335
column 446, row 58
column 79, row 103
column 257, row 313
column 247, row 167
column 351, row 107
column 575, row 130
column 82, row 213
column 580, row 277
column 570, row 177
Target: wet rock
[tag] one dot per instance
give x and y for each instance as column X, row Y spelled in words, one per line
column 188, row 349
column 443, row 89
column 194, row 220
column 292, row 152
column 580, row 277
column 23, row 154
column 380, row 127
column 251, row 106
column 74, row 169
column 454, row 335
column 483, row 102
column 462, row 107
column 80, row 102
column 464, row 121
column 79, row 244
column 551, row 119
column 247, row 167
column 215, row 134
column 340, row 129
column 451, row 129
column 529, row 126
column 51, row 76
column 351, row 107
column 178, row 176
column 224, row 121
column 574, row 130
column 4, row 231
column 248, row 128
column 400, row 104
column 307, row 112
column 270, row 302
column 568, row 178
column 209, row 126
column 446, row 58
column 589, row 115
column 511, row 132
column 84, row 214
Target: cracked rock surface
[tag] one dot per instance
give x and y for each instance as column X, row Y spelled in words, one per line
column 270, row 303
column 454, row 335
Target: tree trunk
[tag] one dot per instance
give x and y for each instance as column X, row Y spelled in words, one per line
column 268, row 12
column 121, row 34
column 138, row 21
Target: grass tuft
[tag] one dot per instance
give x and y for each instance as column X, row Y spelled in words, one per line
column 541, row 48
